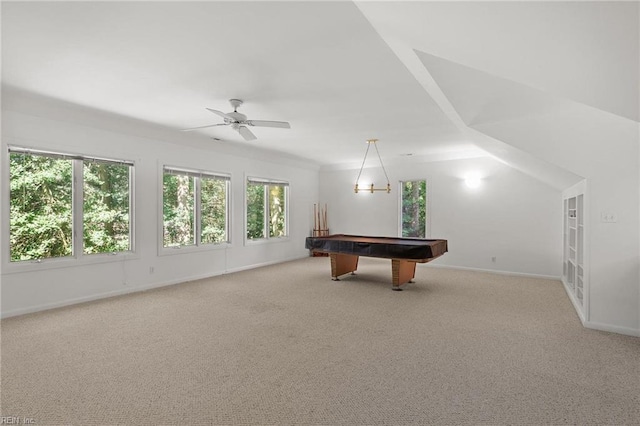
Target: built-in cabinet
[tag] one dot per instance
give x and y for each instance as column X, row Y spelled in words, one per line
column 574, row 262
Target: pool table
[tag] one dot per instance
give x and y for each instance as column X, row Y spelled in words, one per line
column 344, row 251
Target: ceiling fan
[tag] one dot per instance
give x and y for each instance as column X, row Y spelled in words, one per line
column 239, row 122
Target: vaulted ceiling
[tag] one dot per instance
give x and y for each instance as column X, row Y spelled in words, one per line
column 430, row 79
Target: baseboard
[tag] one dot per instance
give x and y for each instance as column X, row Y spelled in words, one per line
column 263, row 264
column 68, row 302
column 492, row 271
column 596, row 325
column 134, row 289
column 612, row 328
column 98, row 296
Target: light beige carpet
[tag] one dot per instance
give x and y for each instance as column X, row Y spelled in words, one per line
column 285, row 345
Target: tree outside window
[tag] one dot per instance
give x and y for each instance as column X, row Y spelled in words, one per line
column 194, row 207
column 414, row 208
column 255, row 211
column 266, row 209
column 42, row 207
column 178, row 198
column 277, row 211
column 213, row 212
column 106, row 215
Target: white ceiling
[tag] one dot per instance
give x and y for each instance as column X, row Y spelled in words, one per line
column 422, row 77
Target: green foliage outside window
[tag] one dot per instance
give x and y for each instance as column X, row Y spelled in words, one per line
column 41, row 206
column 277, row 222
column 414, row 209
column 178, row 210
column 106, row 207
column 181, row 219
column 213, row 199
column 255, row 211
column 266, row 210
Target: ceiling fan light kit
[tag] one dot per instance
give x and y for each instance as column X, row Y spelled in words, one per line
column 239, row 122
column 371, row 188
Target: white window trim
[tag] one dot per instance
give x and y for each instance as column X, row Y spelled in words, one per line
column 287, row 195
column 197, row 246
column 78, row 257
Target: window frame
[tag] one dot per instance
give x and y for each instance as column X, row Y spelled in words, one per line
column 197, row 210
column 77, row 255
column 130, row 202
column 427, row 225
column 267, row 208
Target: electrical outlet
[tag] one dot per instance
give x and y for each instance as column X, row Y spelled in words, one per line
column 493, row 259
column 152, row 269
column 608, row 217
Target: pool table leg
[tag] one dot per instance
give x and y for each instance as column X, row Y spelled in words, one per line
column 402, row 272
column 342, row 264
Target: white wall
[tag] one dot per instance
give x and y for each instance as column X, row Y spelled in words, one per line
column 604, row 149
column 31, row 287
column 511, row 216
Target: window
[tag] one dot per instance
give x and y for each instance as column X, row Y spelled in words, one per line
column 106, row 215
column 55, row 198
column 41, row 206
column 194, row 208
column 178, row 197
column 213, row 201
column 413, row 205
column 267, row 205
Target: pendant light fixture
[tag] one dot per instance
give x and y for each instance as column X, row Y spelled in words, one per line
column 371, row 188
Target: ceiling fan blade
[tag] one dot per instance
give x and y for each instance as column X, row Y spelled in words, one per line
column 246, row 133
column 202, row 127
column 263, row 123
column 221, row 114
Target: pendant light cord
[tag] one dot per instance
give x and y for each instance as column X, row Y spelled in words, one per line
column 380, row 158
column 365, row 159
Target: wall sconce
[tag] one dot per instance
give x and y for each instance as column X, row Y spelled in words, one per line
column 371, row 187
column 472, row 181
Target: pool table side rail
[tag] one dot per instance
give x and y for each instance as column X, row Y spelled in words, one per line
column 417, row 250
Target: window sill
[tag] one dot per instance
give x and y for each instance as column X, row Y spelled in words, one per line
column 170, row 251
column 248, row 242
column 26, row 266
